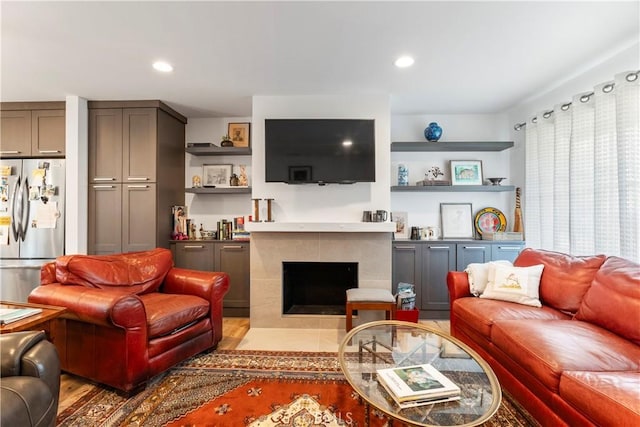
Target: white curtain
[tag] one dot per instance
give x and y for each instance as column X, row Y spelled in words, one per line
column 582, row 189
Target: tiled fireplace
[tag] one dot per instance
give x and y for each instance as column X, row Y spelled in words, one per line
column 370, row 250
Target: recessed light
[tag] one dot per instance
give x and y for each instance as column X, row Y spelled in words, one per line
column 404, row 61
column 347, row 143
column 165, row 67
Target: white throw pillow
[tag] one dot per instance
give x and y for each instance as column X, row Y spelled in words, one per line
column 478, row 274
column 514, row 284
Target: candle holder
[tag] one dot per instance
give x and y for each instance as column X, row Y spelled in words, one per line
column 256, row 210
column 269, row 218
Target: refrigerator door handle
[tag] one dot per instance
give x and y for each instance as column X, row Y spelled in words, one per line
column 15, row 211
column 24, row 219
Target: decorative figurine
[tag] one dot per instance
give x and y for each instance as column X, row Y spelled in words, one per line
column 196, row 181
column 433, row 132
column 234, row 181
column 244, row 181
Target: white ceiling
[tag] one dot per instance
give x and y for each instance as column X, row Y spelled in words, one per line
column 471, row 57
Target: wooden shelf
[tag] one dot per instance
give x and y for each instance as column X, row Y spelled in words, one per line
column 218, row 151
column 451, row 146
column 224, row 190
column 452, row 188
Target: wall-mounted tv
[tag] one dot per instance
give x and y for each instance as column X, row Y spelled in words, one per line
column 320, row 151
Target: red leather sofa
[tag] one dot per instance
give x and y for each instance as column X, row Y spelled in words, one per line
column 130, row 316
column 576, row 360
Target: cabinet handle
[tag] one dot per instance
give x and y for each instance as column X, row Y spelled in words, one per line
column 103, row 179
column 10, row 152
column 405, row 247
column 231, row 247
column 49, row 151
column 510, row 248
column 193, row 246
column 137, row 186
column 474, row 247
column 137, row 179
column 104, row 186
column 438, row 247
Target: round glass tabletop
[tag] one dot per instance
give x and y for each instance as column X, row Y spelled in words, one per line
column 395, row 350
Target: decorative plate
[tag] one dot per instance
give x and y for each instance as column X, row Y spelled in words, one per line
column 490, row 220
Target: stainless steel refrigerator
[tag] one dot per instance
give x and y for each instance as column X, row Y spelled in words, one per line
column 31, row 222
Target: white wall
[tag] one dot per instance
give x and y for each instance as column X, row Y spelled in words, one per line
column 333, row 202
column 77, row 174
column 423, row 208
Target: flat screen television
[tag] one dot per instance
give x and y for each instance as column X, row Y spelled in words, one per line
column 320, row 151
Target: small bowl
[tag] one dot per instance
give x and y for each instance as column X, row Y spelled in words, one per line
column 207, row 234
column 496, row 181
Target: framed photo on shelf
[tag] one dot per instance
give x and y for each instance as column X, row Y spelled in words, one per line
column 240, row 134
column 402, row 224
column 466, row 172
column 216, row 176
column 457, row 222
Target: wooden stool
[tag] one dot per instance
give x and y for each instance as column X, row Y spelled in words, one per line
column 369, row 299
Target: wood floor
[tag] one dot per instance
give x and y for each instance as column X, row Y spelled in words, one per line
column 73, row 388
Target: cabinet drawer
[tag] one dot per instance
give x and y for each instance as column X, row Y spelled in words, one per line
column 194, row 255
column 506, row 251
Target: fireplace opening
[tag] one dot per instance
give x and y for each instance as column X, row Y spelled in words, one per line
column 317, row 287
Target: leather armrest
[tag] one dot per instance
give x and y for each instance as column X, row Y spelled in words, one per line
column 211, row 286
column 13, row 346
column 458, row 285
column 48, row 273
column 93, row 305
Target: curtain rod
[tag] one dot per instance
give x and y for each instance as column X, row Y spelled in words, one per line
column 633, row 76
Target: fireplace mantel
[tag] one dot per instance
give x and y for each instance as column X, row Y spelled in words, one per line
column 321, row 227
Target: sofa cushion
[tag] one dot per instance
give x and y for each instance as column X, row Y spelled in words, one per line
column 131, row 273
column 481, row 314
column 167, row 313
column 607, row 398
column 514, row 284
column 478, row 275
column 565, row 278
column 546, row 348
column 613, row 301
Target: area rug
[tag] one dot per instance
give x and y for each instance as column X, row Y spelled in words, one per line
column 235, row 388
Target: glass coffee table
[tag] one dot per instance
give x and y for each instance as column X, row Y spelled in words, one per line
column 391, row 344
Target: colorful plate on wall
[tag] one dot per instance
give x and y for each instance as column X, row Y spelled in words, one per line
column 490, row 220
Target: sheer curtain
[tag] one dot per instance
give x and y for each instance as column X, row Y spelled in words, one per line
column 582, row 191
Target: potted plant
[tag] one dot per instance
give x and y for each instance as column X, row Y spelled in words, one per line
column 226, row 141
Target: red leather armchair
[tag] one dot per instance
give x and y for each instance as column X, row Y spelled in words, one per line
column 130, row 316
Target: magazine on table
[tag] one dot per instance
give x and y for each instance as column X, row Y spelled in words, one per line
column 417, row 382
column 418, row 402
column 8, row 315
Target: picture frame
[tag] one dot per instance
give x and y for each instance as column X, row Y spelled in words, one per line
column 240, row 134
column 216, row 175
column 466, row 172
column 401, row 220
column 457, row 220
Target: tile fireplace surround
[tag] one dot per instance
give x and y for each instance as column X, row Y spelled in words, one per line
column 371, row 250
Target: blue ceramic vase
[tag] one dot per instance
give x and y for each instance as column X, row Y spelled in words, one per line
column 433, row 132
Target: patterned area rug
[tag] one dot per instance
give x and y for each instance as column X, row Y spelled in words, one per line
column 237, row 388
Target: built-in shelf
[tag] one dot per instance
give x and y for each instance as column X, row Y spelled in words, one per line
column 451, row 146
column 321, row 227
column 223, row 190
column 218, row 151
column 452, row 188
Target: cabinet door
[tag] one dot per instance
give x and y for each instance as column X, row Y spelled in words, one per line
column 138, row 217
column 15, row 133
column 105, row 145
column 139, row 144
column 105, row 213
column 506, row 251
column 194, row 255
column 233, row 259
column 437, row 260
column 47, row 133
column 466, row 253
column 407, row 266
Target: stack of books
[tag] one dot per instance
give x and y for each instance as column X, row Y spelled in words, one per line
column 9, row 315
column 417, row 385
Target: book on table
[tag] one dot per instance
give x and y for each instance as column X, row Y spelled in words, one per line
column 417, row 385
column 8, row 315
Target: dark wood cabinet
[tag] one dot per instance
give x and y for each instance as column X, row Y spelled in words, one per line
column 425, row 264
column 32, row 129
column 105, row 223
column 137, row 146
column 230, row 256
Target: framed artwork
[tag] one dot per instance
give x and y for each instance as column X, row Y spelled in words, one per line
column 466, row 172
column 402, row 224
column 216, row 175
column 457, row 222
column 240, row 134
